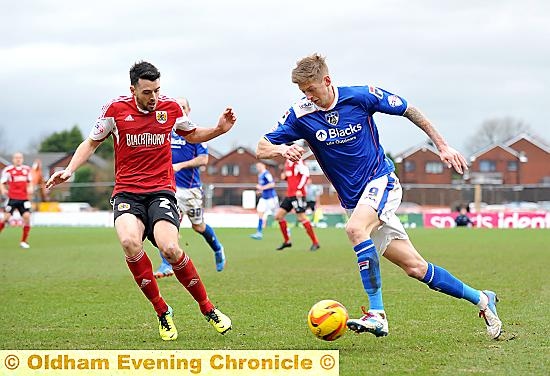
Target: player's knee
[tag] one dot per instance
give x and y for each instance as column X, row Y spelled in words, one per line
column 170, row 251
column 131, row 245
column 355, row 233
column 199, row 228
column 416, row 269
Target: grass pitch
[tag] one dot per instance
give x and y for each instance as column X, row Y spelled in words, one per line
column 72, row 290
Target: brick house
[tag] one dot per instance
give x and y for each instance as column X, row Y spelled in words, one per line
column 231, row 174
column 496, row 164
column 536, row 168
column 521, row 160
column 421, row 165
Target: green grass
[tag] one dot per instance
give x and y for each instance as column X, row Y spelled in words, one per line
column 72, row 290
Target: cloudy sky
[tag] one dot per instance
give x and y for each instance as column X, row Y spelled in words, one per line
column 461, row 62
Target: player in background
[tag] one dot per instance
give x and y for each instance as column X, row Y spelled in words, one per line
column 296, row 174
column 143, row 199
column 268, row 202
column 338, row 124
column 313, row 195
column 187, row 159
column 16, row 185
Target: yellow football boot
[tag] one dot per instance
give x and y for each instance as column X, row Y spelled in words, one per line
column 167, row 329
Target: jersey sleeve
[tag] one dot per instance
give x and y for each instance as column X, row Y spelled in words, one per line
column 4, row 177
column 268, row 178
column 380, row 100
column 285, row 130
column 201, row 148
column 104, row 124
column 183, row 125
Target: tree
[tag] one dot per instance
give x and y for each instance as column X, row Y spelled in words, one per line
column 84, row 174
column 494, row 131
column 106, row 150
column 64, row 141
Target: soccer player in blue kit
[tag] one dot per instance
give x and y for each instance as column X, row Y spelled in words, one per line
column 337, row 123
column 187, row 158
column 268, row 202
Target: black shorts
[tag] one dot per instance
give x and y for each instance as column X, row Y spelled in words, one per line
column 22, row 206
column 310, row 205
column 149, row 208
column 294, row 203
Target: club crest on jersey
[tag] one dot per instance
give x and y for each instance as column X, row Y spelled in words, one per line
column 394, row 101
column 332, row 117
column 162, row 116
column 98, row 128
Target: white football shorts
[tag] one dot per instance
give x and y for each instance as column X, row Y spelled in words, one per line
column 190, row 204
column 384, row 195
column 268, row 205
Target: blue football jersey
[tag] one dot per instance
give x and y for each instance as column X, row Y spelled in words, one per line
column 184, row 151
column 344, row 137
column 263, row 179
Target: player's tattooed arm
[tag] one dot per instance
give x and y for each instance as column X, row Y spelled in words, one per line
column 421, row 121
column 450, row 156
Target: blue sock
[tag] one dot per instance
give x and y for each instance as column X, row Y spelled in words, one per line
column 211, row 238
column 260, row 225
column 369, row 269
column 164, row 261
column 441, row 280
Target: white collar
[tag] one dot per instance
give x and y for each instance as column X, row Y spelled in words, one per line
column 333, row 104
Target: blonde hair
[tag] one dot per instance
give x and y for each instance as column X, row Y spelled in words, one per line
column 310, row 68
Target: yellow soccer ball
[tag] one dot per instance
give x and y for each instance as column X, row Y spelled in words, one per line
column 327, row 320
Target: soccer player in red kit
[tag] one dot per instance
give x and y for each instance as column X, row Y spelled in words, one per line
column 143, row 199
column 16, row 184
column 296, row 175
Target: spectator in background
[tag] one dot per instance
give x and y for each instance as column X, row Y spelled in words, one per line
column 462, row 219
column 268, row 202
column 16, row 184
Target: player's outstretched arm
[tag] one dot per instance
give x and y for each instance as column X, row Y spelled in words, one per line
column 225, row 123
column 266, row 149
column 447, row 154
column 81, row 155
column 198, row 161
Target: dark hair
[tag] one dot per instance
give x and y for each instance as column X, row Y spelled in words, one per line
column 143, row 70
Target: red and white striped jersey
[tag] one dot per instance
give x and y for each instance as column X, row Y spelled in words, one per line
column 143, row 157
column 17, row 179
column 296, row 174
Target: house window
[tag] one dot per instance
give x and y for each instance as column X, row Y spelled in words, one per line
column 410, row 166
column 512, row 165
column 487, row 165
column 212, row 170
column 434, row 167
column 253, row 170
column 230, row 170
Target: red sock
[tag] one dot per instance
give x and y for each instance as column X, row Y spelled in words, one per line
column 310, row 232
column 2, row 224
column 26, row 230
column 142, row 269
column 284, row 230
column 185, row 272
